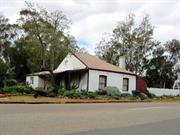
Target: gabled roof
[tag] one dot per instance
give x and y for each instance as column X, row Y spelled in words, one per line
column 92, row 62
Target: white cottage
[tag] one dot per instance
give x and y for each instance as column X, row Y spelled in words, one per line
column 86, row 72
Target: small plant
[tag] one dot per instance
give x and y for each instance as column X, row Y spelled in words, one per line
column 17, row 89
column 91, row 95
column 143, row 96
column 101, row 92
column 135, row 93
column 126, row 95
column 10, row 90
column 72, row 94
column 113, row 92
column 150, row 95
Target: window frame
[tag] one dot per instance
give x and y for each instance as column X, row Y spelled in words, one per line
column 31, row 80
column 102, row 83
column 125, row 85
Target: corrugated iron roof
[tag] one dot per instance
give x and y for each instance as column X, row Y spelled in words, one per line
column 92, row 62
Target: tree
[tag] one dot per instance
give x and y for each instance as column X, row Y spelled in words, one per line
column 127, row 39
column 7, row 33
column 45, row 33
column 159, row 71
column 173, row 48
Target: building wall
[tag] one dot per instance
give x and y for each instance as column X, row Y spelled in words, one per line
column 113, row 79
column 141, row 84
column 70, row 62
column 161, row 91
column 83, row 82
column 37, row 81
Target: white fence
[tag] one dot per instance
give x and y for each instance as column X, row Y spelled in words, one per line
column 161, row 91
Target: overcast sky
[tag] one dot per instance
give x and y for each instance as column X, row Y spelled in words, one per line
column 92, row 18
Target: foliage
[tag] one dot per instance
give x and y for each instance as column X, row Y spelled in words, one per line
column 125, row 95
column 72, row 94
column 113, row 92
column 91, row 95
column 159, row 70
column 11, row 82
column 39, row 91
column 150, row 95
column 9, row 90
column 61, row 91
column 132, row 41
column 17, row 89
column 143, row 96
column 101, row 92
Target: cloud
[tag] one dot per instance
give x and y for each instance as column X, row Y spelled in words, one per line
column 92, row 18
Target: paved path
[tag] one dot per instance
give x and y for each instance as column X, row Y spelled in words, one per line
column 91, row 119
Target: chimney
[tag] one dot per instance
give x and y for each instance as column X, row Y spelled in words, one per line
column 122, row 63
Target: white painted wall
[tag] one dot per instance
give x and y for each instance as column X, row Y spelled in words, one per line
column 113, row 79
column 70, row 62
column 37, row 81
column 161, row 92
column 83, row 82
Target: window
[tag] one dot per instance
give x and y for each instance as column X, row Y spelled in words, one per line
column 102, row 82
column 31, row 80
column 125, row 84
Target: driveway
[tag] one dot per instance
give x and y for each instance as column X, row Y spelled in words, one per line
column 90, row 119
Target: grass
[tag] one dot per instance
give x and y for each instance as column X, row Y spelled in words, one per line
column 62, row 100
column 59, row 100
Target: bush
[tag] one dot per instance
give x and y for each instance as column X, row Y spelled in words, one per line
column 91, row 95
column 140, row 95
column 126, row 95
column 150, row 95
column 72, row 94
column 101, row 92
column 113, row 92
column 143, row 96
column 52, row 92
column 61, row 91
column 22, row 89
column 11, row 82
column 39, row 91
column 10, row 90
column 135, row 93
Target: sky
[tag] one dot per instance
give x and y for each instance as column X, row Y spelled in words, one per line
column 92, row 18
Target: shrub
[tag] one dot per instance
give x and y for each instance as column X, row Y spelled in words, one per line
column 101, row 92
column 143, row 96
column 10, row 90
column 39, row 91
column 72, row 94
column 150, row 95
column 52, row 91
column 113, row 92
column 126, row 95
column 135, row 93
column 11, row 82
column 91, row 95
column 61, row 91
column 22, row 89
column 140, row 95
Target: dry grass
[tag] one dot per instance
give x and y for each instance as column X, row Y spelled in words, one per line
column 29, row 99
column 62, row 100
